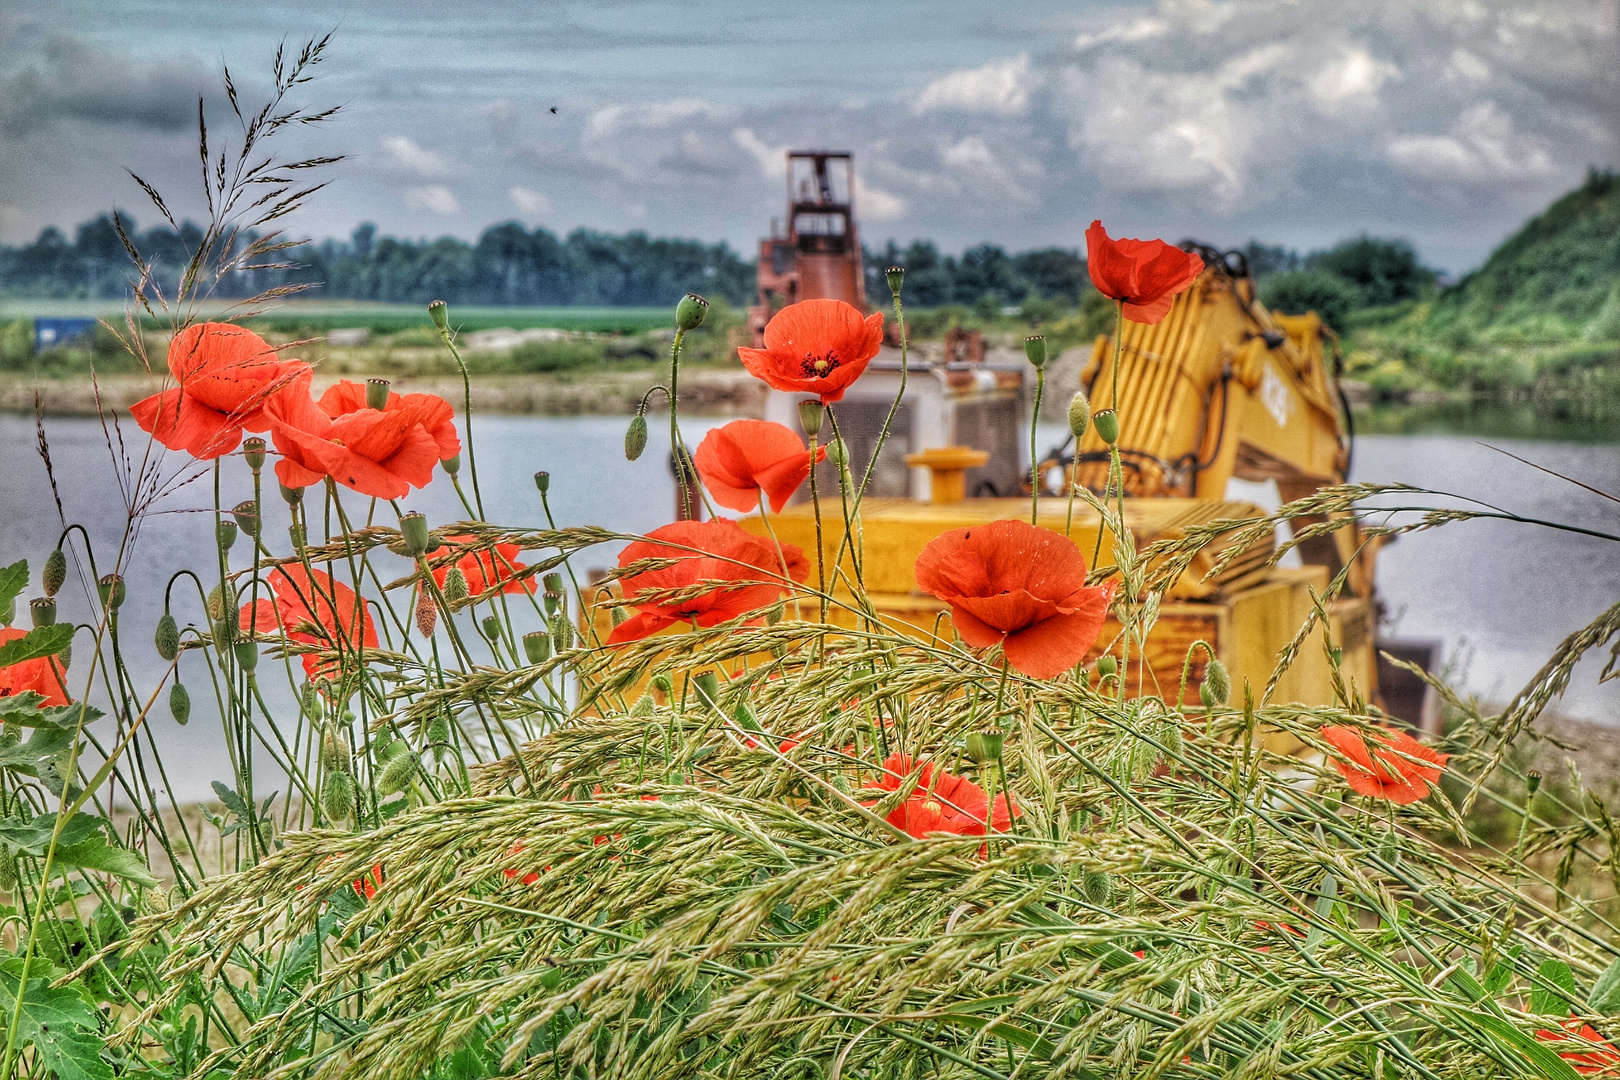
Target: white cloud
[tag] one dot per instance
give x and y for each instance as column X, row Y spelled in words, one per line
column 875, row 204
column 772, row 159
column 533, row 203
column 1001, row 87
column 1354, row 73
column 1483, row 144
column 404, row 154
column 434, row 199
column 1466, row 65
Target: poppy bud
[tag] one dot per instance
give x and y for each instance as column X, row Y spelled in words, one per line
column 246, row 515
column 1217, row 682
column 1107, row 423
column 1106, row 665
column 247, row 655
column 553, row 601
column 1097, row 886
column 618, row 615
column 221, row 598
column 542, row 480
column 42, row 610
column 1079, row 413
column 537, row 646
column 296, row 533
column 775, row 615
column 179, row 703
column 810, row 412
column 635, row 438
column 397, row 774
column 337, row 796
column 838, row 453
column 708, row 687
column 1532, row 781
column 309, row 699
column 111, row 588
column 455, row 586
column 895, row 275
column 644, row 706
column 562, row 632
column 334, row 753
column 413, row 527
column 427, row 613
column 985, row 746
column 690, row 311
column 167, row 637
column 451, row 465
column 290, row 495
column 438, row 735
column 253, row 453
column 55, row 572
column 554, row 583
column 662, row 684
column 377, row 394
column 1035, row 349
column 491, row 627
column 225, row 535
column 225, row 630
column 439, row 312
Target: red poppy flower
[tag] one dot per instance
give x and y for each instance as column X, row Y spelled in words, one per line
column 43, row 676
column 1023, row 588
column 381, row 453
column 1146, row 274
column 437, row 415
column 226, row 376
column 747, row 460
column 946, row 803
column 1379, row 771
column 312, row 608
column 815, row 347
column 745, row 570
column 486, row 569
column 1600, row 1056
column 366, row 885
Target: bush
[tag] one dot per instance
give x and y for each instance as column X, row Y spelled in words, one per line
column 566, row 355
column 1384, row 271
column 1299, row 291
column 16, row 344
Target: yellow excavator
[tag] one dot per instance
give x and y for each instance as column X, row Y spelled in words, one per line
column 1220, row 389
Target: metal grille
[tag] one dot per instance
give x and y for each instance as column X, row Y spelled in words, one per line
column 991, row 425
column 860, row 422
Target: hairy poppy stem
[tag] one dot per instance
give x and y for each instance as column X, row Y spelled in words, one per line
column 1034, row 461
column 815, row 502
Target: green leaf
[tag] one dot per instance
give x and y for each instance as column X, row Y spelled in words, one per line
column 83, row 845
column 38, row 756
column 233, row 802
column 24, row 710
column 1501, row 972
column 1554, row 990
column 37, row 644
column 60, row 1024
column 96, row 854
column 1605, row 996
column 1547, row 1061
column 13, row 580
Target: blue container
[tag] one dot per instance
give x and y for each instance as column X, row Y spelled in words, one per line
column 58, row 333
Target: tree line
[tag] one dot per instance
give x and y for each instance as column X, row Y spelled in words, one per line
column 511, row 265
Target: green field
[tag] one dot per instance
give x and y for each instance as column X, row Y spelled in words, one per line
column 301, row 316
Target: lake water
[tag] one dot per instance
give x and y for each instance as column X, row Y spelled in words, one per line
column 1501, row 596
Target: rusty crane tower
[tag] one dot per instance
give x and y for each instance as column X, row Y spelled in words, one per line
column 818, row 255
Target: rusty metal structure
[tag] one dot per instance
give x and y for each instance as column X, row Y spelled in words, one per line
column 818, row 255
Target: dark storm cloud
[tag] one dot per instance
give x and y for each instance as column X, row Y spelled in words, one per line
column 71, row 81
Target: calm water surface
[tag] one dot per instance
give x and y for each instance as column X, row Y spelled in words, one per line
column 1499, row 595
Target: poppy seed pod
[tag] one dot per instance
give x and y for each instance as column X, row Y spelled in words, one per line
column 542, row 480
column 247, row 655
column 455, row 586
column 42, row 610
column 451, row 465
column 1035, row 349
column 690, row 312
column 1217, row 682
column 246, row 514
column 537, row 646
column 180, row 703
column 111, row 588
column 439, row 312
column 253, row 453
column 55, row 572
column 167, row 637
column 896, row 276
column 810, row 413
column 1106, row 665
column 491, row 627
column 985, row 746
column 413, row 527
column 1107, row 423
column 553, row 601
column 377, row 394
column 635, row 438
column 1079, row 413
column 292, row 496
column 554, row 583
column 1532, row 781
column 225, row 535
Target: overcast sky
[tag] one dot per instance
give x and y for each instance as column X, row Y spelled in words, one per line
column 1293, row 121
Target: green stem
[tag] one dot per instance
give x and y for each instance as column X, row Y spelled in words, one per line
column 1034, row 462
